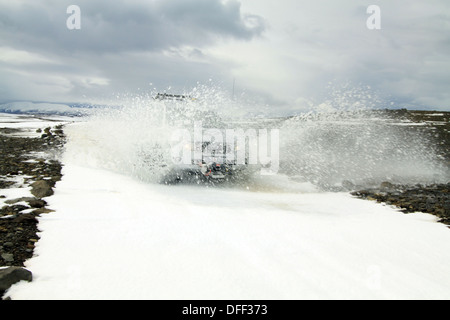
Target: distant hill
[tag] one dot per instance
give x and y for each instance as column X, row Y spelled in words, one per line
column 26, row 107
column 48, row 108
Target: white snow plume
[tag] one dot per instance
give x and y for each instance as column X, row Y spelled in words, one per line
column 342, row 142
column 127, row 140
column 136, row 138
column 345, row 143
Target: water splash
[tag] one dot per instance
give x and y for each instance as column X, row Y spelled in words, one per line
column 134, row 139
column 351, row 149
column 341, row 143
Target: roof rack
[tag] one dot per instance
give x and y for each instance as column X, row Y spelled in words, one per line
column 166, row 96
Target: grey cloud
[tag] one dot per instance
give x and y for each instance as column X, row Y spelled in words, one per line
column 406, row 61
column 122, row 45
column 216, row 16
column 125, row 45
column 125, row 25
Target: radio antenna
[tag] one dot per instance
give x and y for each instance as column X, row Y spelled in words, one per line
column 234, row 84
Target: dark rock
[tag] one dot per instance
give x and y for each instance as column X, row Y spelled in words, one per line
column 23, row 199
column 5, row 184
column 32, row 202
column 25, row 218
column 41, row 189
column 37, row 203
column 386, row 186
column 59, row 132
column 42, row 211
column 18, row 208
column 8, row 257
column 12, row 275
column 8, row 245
column 12, row 210
column 361, row 193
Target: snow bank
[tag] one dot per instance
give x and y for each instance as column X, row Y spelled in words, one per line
column 114, row 238
column 28, row 124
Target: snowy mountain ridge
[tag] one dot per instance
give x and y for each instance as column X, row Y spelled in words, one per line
column 28, row 107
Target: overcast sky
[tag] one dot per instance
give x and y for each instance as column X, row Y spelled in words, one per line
column 287, row 54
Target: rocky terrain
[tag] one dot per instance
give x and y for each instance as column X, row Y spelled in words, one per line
column 435, row 128
column 432, row 199
column 25, row 162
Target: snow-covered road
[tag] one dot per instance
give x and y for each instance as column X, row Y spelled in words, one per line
column 116, row 237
